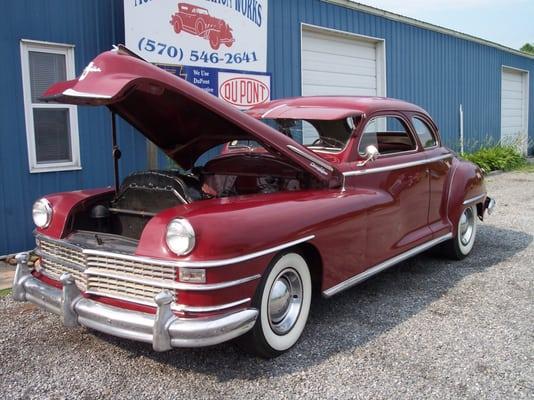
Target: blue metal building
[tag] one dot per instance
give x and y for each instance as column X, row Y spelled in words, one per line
column 314, row 47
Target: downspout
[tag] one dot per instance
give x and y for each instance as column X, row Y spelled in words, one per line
column 461, row 129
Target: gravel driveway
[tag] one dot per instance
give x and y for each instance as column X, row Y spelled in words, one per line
column 428, row 328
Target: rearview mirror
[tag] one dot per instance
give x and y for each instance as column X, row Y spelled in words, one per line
column 371, row 153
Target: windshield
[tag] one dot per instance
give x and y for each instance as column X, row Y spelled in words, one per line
column 317, row 135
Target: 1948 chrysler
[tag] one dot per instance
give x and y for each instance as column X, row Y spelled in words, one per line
column 235, row 247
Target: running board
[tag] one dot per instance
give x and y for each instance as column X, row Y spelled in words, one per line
column 384, row 265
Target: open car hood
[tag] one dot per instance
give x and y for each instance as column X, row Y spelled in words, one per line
column 181, row 119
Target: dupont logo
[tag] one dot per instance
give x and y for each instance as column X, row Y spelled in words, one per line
column 244, row 91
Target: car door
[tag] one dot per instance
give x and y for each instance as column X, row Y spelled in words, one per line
column 439, row 165
column 400, row 172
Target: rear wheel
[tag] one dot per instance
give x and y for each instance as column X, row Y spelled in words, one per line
column 461, row 245
column 200, row 26
column 283, row 299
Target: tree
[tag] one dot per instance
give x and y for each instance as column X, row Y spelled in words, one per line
column 528, row 48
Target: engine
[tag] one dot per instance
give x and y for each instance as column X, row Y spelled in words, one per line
column 144, row 194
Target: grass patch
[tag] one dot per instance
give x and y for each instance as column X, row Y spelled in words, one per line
column 5, row 292
column 526, row 168
column 499, row 157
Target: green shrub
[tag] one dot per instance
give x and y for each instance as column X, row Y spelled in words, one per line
column 497, row 157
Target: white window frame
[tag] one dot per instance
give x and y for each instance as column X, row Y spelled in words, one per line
column 68, row 51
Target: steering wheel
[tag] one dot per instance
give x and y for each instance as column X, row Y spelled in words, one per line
column 329, row 141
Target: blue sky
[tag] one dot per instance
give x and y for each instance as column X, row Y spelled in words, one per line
column 507, row 22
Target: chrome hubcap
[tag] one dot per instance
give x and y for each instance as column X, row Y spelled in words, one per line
column 467, row 225
column 285, row 301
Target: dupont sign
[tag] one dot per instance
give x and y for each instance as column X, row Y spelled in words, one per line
column 244, row 90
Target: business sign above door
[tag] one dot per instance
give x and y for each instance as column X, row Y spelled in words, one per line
column 223, row 34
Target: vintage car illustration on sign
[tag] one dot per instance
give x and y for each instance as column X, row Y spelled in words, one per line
column 197, row 21
column 234, row 248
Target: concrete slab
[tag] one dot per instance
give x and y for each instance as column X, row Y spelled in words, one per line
column 6, row 275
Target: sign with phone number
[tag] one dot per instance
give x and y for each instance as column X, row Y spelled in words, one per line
column 224, row 34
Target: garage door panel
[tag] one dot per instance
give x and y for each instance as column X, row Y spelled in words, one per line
column 512, row 104
column 336, row 45
column 514, row 94
column 336, row 64
column 513, row 86
column 314, row 60
column 512, row 76
column 310, row 77
column 317, row 90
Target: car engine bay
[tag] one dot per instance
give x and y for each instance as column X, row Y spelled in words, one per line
column 143, row 194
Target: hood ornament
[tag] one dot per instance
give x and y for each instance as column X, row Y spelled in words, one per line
column 91, row 67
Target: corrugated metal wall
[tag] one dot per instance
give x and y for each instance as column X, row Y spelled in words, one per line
column 436, row 71
column 92, row 26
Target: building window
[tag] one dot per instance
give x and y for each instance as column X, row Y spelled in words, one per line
column 51, row 129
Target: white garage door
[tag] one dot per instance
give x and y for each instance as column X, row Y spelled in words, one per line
column 341, row 64
column 514, row 95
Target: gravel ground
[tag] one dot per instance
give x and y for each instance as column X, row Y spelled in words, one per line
column 429, row 328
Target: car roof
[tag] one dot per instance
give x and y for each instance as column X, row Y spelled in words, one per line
column 359, row 104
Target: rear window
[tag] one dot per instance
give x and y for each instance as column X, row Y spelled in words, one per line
column 424, row 132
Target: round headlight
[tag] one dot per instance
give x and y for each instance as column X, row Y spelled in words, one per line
column 180, row 236
column 42, row 213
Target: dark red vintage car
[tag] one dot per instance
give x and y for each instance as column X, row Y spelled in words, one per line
column 197, row 21
column 236, row 247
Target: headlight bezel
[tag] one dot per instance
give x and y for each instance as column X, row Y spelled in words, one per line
column 187, row 231
column 46, row 209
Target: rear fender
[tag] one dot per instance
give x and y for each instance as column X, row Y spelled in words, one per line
column 466, row 188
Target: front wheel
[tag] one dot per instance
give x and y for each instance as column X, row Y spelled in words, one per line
column 215, row 40
column 461, row 245
column 283, row 299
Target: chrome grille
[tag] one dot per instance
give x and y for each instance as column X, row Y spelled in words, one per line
column 91, row 271
column 55, row 269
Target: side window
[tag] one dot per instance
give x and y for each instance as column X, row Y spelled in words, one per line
column 424, row 132
column 387, row 134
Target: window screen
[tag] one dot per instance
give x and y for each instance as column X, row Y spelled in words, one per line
column 424, row 132
column 45, row 69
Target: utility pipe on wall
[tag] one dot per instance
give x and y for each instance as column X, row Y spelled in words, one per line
column 461, row 129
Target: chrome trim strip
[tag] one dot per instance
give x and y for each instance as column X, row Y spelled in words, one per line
column 192, row 264
column 383, row 265
column 395, row 166
column 310, row 157
column 173, row 285
column 474, row 199
column 174, row 306
column 191, row 309
column 75, row 93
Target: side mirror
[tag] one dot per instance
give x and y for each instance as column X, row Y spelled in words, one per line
column 371, row 153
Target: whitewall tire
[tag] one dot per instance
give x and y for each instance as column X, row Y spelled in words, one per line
column 463, row 241
column 283, row 300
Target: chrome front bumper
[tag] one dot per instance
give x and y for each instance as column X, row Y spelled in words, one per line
column 164, row 330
